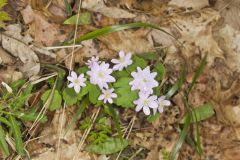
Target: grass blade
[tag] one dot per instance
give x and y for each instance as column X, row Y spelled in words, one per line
column 68, row 8
column 3, row 143
column 178, row 84
column 198, row 72
column 78, row 114
column 116, row 121
column 114, row 28
column 179, row 143
column 17, row 135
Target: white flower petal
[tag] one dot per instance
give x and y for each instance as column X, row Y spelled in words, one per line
column 71, row 79
column 110, row 100
column 121, row 54
column 160, row 109
column 116, row 61
column 114, row 95
column 70, row 85
column 166, row 102
column 146, row 110
column 138, row 108
column 153, row 104
column 74, row 75
column 101, row 97
column 161, row 98
column 77, row 88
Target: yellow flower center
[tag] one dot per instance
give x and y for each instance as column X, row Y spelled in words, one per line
column 108, row 95
column 145, row 102
column 145, row 80
column 100, row 75
column 76, row 81
column 121, row 60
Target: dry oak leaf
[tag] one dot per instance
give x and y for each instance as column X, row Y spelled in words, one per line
column 196, row 32
column 99, row 6
column 13, row 42
column 129, row 41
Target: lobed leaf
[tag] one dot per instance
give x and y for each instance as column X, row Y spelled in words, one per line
column 55, row 101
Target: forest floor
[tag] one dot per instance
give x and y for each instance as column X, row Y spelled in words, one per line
column 35, row 37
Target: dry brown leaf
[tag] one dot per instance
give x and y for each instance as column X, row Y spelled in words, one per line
column 16, row 44
column 99, row 6
column 230, row 11
column 190, row 3
column 196, row 33
column 229, row 41
column 232, row 153
column 41, row 28
column 5, row 58
column 129, row 41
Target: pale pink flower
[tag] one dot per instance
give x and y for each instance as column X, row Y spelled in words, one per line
column 145, row 102
column 122, row 62
column 162, row 102
column 92, row 61
column 76, row 81
column 100, row 74
column 144, row 80
column 107, row 95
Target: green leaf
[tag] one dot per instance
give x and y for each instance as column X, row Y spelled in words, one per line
column 119, row 74
column 180, row 141
column 68, row 8
column 19, row 101
column 110, row 146
column 94, row 93
column 4, row 16
column 83, row 70
column 122, row 87
column 137, row 62
column 114, row 28
column 199, row 71
column 17, row 84
column 178, row 84
column 2, row 3
column 17, row 135
column 27, row 90
column 157, row 91
column 3, row 143
column 200, row 113
column 153, row 118
column 55, row 101
column 115, row 120
column 30, row 116
column 161, row 72
column 70, row 96
column 84, row 19
column 78, row 114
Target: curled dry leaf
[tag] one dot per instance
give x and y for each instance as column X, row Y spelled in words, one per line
column 16, row 44
column 99, row 6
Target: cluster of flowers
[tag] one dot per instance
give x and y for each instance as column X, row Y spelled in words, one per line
column 143, row 81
